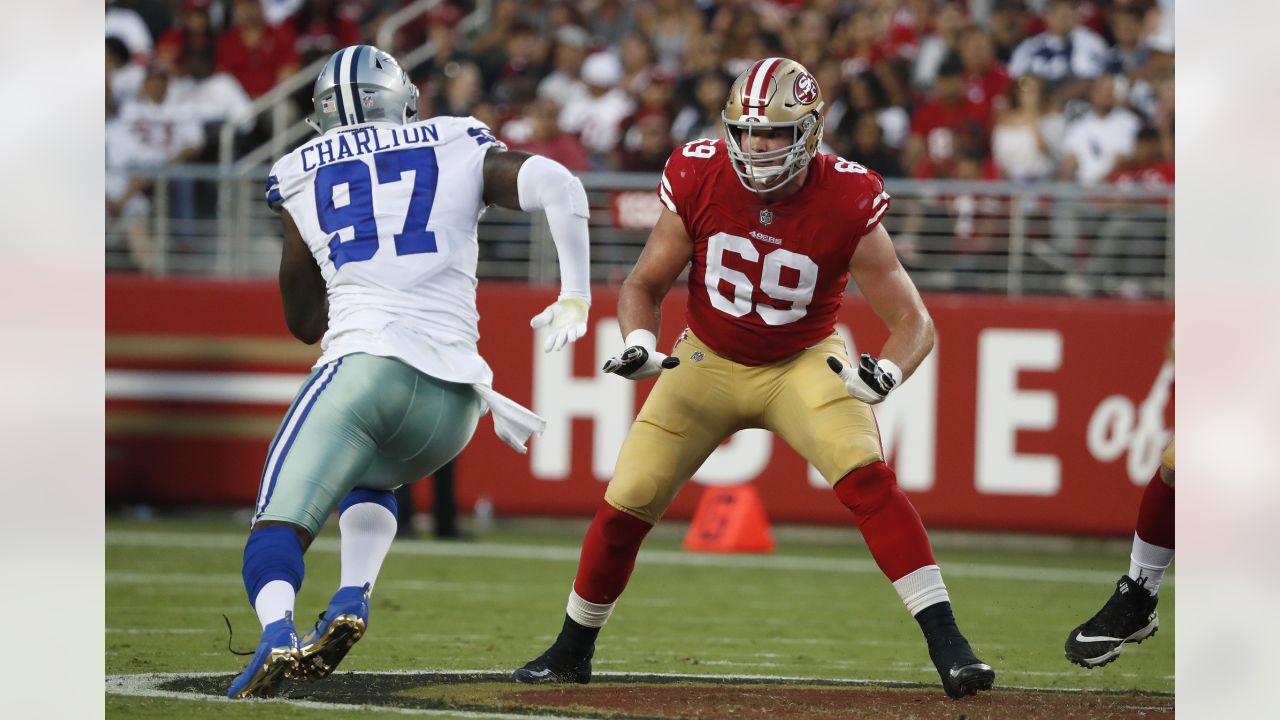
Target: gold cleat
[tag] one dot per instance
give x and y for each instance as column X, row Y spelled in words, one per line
column 326, row 645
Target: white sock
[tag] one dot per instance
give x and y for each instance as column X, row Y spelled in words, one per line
column 921, row 588
column 367, row 532
column 1147, row 563
column 588, row 614
column 273, row 601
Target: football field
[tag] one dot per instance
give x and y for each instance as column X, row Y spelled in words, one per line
column 812, row 630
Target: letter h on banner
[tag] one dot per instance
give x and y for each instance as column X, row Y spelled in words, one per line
column 559, row 396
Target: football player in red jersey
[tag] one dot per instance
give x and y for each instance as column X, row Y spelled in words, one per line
column 773, row 229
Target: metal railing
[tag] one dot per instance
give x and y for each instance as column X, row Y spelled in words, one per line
column 951, row 236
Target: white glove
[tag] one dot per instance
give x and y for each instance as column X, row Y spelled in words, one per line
column 640, row 360
column 872, row 381
column 566, row 319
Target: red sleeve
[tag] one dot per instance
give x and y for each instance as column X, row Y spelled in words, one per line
column 679, row 176
column 869, row 200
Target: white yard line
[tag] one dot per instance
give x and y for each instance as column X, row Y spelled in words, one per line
column 986, row 571
column 145, row 684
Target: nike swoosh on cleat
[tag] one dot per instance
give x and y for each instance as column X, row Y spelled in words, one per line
column 540, row 673
column 1085, row 638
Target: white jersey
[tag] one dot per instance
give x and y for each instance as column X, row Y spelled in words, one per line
column 389, row 213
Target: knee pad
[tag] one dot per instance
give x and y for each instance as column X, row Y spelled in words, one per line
column 272, row 553
column 867, row 489
column 385, row 498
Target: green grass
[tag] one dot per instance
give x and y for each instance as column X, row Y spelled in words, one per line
column 170, row 581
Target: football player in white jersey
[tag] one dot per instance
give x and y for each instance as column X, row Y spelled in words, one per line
column 379, row 265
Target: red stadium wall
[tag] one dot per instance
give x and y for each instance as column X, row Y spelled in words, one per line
column 1031, row 415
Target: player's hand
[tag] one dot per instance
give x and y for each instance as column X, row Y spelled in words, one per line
column 640, row 360
column 872, row 381
column 566, row 319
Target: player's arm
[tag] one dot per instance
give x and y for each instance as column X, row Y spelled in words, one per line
column 665, row 255
column 520, row 181
column 895, row 300
column 302, row 287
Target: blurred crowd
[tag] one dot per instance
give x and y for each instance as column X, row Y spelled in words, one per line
column 1019, row 90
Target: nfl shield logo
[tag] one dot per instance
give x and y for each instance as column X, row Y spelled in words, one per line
column 766, row 217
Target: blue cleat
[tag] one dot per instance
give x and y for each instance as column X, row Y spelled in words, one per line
column 277, row 655
column 340, row 626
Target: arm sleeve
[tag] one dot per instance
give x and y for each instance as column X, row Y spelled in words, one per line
column 544, row 184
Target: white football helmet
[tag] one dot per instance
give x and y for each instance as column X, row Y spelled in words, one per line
column 774, row 93
column 362, row 84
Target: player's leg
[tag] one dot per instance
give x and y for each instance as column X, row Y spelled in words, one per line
column 690, row 411
column 839, row 436
column 292, row 502
column 1129, row 615
column 419, row 437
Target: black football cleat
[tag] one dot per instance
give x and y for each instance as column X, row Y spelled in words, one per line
column 552, row 667
column 962, row 673
column 1128, row 617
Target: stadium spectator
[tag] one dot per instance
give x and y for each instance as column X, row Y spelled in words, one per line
column 646, row 134
column 1025, row 136
column 942, row 42
column 1131, row 240
column 946, row 126
column 906, row 28
column 195, row 31
column 512, row 74
column 124, row 76
column 125, row 23
column 701, row 118
column 596, row 118
column 987, row 81
column 636, row 55
column 256, row 54
column 320, row 28
column 539, row 133
column 868, row 148
column 489, row 49
column 1064, row 54
column 149, row 132
column 646, row 145
column 609, row 20
column 463, row 88
column 205, row 95
column 1128, row 53
column 866, row 95
column 1007, row 27
column 277, row 12
column 564, row 84
column 808, row 37
column 671, row 26
column 1100, row 140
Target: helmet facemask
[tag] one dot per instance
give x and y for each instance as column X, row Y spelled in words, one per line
column 768, row 170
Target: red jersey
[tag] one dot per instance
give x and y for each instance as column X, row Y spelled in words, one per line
column 767, row 279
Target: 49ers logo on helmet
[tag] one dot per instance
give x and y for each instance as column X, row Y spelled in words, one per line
column 806, row 88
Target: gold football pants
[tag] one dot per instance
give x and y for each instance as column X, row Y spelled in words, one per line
column 697, row 405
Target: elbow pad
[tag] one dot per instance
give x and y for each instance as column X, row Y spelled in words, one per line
column 544, row 184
